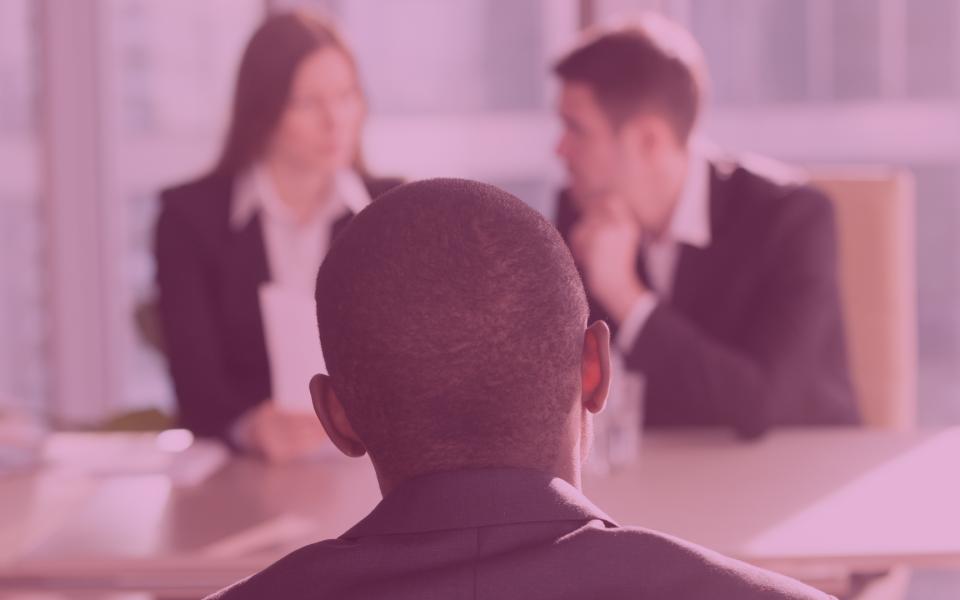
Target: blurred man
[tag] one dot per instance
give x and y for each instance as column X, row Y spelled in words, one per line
column 718, row 279
column 454, row 327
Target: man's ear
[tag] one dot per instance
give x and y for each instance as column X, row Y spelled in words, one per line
column 595, row 367
column 647, row 134
column 333, row 418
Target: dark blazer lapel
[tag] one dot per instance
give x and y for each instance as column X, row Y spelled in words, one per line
column 374, row 187
column 249, row 254
column 691, row 279
column 244, row 269
column 697, row 268
column 339, row 225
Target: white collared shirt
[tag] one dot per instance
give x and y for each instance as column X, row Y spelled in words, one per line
column 690, row 225
column 294, row 249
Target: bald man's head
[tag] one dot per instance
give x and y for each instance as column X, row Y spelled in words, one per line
column 452, row 321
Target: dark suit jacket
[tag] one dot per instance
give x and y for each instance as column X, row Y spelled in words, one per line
column 208, row 277
column 505, row 534
column 753, row 333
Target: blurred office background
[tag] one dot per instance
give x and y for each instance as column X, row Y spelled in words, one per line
column 102, row 102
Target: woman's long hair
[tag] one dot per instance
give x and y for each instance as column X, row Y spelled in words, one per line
column 264, row 80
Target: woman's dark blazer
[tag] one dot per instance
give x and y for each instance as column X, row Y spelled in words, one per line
column 208, row 276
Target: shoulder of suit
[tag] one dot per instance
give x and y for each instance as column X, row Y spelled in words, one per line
column 377, row 186
column 768, row 185
column 308, row 572
column 759, row 171
column 205, row 197
column 670, row 564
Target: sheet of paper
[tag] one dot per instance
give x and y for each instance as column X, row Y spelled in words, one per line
column 290, row 329
column 175, row 453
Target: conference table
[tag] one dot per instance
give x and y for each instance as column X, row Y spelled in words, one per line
column 805, row 502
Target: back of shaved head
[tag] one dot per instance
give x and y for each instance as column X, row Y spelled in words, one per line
column 451, row 317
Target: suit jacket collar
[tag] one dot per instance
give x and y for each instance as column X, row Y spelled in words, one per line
column 254, row 194
column 250, row 254
column 690, row 222
column 471, row 498
column 244, row 218
column 694, row 266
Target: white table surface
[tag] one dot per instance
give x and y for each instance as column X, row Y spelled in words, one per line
column 796, row 499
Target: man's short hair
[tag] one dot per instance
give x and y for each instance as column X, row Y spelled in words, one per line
column 652, row 64
column 452, row 317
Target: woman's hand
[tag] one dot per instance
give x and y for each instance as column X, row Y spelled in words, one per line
column 281, row 436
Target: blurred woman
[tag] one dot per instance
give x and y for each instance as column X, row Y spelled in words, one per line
column 289, row 177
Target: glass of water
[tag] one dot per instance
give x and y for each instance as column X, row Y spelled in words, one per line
column 617, row 428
